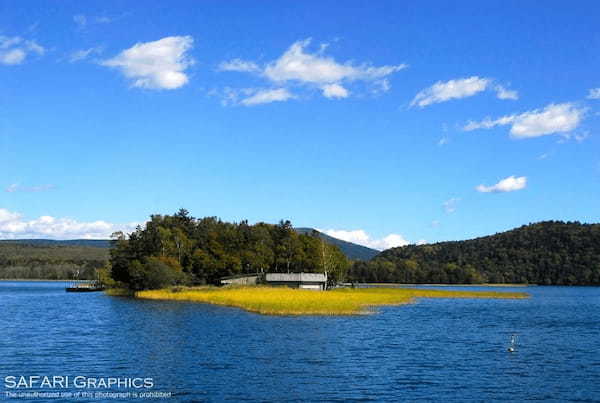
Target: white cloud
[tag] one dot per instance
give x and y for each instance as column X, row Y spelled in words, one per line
column 84, row 53
column 578, row 137
column 297, row 66
column 156, row 65
column 504, row 93
column 554, row 118
column 15, row 187
column 381, row 86
column 594, row 93
column 450, row 205
column 230, row 96
column 443, row 141
column 267, row 96
column 543, row 156
column 239, row 65
column 82, row 21
column 360, row 237
column 509, row 184
column 453, row 89
column 13, row 56
column 103, row 20
column 14, row 50
column 460, row 88
column 14, row 226
column 335, row 91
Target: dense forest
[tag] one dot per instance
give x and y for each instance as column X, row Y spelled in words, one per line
column 546, row 253
column 47, row 260
column 181, row 249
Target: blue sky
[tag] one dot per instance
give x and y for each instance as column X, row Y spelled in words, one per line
column 380, row 123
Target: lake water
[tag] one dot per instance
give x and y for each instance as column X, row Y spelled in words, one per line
column 434, row 350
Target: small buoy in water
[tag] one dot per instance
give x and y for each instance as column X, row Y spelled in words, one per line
column 513, row 344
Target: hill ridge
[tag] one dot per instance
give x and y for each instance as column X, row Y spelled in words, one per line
column 547, row 252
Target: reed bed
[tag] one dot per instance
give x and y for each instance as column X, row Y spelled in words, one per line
column 119, row 292
column 288, row 301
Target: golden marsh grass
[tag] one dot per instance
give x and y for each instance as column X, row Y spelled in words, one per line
column 119, row 292
column 288, row 301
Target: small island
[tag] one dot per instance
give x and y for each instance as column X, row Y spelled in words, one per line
column 182, row 258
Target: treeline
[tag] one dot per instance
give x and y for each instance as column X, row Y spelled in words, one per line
column 180, row 249
column 45, row 261
column 546, row 253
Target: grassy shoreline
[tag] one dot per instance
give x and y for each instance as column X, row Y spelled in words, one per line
column 451, row 285
column 288, row 301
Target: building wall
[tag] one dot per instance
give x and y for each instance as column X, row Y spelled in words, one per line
column 248, row 280
column 298, row 284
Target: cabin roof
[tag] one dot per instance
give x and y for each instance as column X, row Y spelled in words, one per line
column 296, row 277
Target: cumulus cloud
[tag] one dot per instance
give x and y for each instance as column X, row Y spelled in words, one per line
column 360, row 237
column 267, row 96
column 335, row 91
column 15, row 187
column 453, row 89
column 83, row 54
column 82, row 21
column 504, row 93
column 251, row 96
column 460, row 88
column 14, row 226
column 298, row 66
column 239, row 65
column 450, row 205
column 554, row 118
column 594, row 93
column 155, row 65
column 578, row 137
column 14, row 50
column 509, row 184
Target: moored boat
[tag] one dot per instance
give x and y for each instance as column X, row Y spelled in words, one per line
column 88, row 286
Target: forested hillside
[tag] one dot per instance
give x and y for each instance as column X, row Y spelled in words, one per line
column 49, row 260
column 550, row 252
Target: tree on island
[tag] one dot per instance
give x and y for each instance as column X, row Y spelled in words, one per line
column 180, row 249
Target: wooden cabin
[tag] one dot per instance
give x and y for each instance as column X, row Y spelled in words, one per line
column 309, row 281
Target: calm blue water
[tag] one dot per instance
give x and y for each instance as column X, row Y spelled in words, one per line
column 435, row 350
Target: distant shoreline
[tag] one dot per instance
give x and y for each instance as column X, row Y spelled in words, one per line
column 37, row 280
column 371, row 284
column 453, row 285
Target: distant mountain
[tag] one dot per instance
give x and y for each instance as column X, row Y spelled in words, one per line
column 547, row 253
column 52, row 260
column 351, row 250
